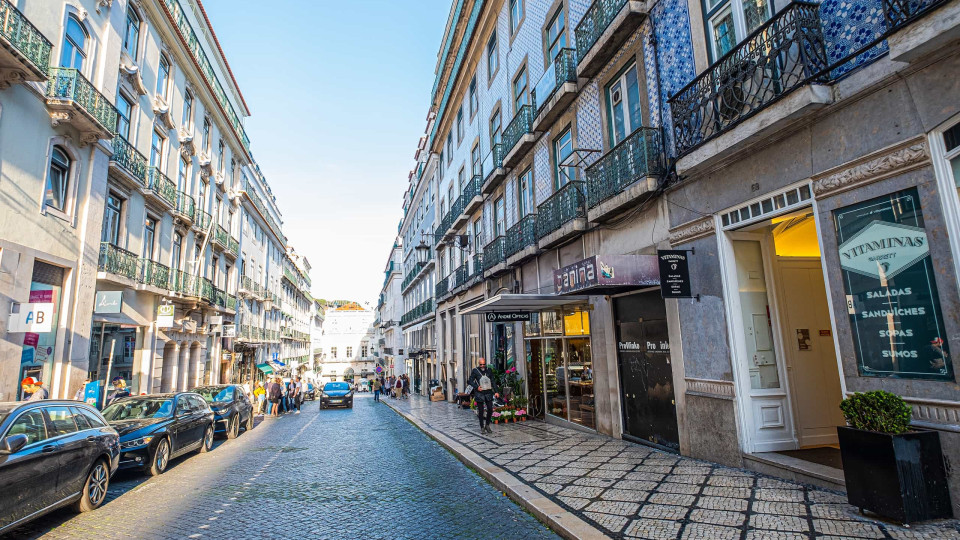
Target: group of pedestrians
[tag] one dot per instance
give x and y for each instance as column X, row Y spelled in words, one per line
column 394, row 386
column 276, row 398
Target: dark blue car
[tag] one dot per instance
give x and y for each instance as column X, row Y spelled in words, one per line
column 157, row 428
column 336, row 394
column 231, row 408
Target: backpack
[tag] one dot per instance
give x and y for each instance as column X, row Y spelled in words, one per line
column 485, row 383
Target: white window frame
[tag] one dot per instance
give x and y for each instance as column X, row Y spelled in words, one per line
column 946, row 183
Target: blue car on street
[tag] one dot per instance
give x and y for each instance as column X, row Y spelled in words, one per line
column 231, row 408
column 336, row 394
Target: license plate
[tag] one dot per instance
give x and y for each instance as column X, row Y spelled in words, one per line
column 336, row 400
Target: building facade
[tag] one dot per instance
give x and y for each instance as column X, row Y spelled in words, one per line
column 810, row 187
column 348, row 344
column 390, row 347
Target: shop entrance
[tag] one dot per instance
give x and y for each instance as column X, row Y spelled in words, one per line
column 784, row 339
column 646, row 374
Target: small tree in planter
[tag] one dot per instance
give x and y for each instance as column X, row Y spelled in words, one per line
column 890, row 469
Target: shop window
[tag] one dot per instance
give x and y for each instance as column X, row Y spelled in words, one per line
column 40, row 349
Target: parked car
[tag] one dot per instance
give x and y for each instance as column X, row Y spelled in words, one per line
column 310, row 392
column 157, row 428
column 231, row 408
column 53, row 454
column 336, row 394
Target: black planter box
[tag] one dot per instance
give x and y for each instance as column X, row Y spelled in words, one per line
column 900, row 477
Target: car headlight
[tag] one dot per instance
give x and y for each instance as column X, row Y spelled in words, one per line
column 133, row 443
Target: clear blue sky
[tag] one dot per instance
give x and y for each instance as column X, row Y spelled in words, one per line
column 338, row 93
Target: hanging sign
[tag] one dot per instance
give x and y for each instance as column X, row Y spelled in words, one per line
column 165, row 316
column 674, row 273
column 229, row 330
column 216, row 319
column 507, row 316
column 108, row 302
column 891, row 290
column 607, row 272
column 36, row 317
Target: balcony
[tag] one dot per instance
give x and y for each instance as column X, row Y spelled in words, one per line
column 472, row 195
column 24, row 51
column 494, row 260
column 184, row 208
column 454, row 216
column 783, row 55
column 207, row 290
column 73, row 100
column 493, row 171
column 562, row 216
column 909, row 41
column 412, row 276
column 221, row 238
column 418, row 313
column 153, row 274
column 521, row 240
column 518, row 137
column 249, row 288
column 555, row 90
column 160, row 188
column 442, row 288
column 625, row 175
column 185, row 283
column 462, row 275
column 604, row 28
column 233, row 247
column 117, row 262
column 202, row 220
column 127, row 163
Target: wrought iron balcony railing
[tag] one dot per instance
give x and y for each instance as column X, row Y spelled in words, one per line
column 153, row 273
column 477, row 269
column 116, row 261
column 442, row 287
column 562, row 70
column 493, row 253
column 786, row 52
column 417, row 313
column 126, row 156
column 185, row 283
column 900, row 13
column 231, row 302
column 68, row 83
column 594, row 22
column 471, row 189
column 412, row 274
column 221, row 236
column 233, row 246
column 219, row 298
column 522, row 124
column 521, row 235
column 24, row 36
column 207, row 290
column 462, row 275
column 492, row 161
column 185, row 205
column 637, row 156
column 163, row 187
column 202, row 220
column 565, row 205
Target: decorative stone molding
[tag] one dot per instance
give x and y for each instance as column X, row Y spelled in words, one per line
column 935, row 411
column 710, row 388
column 204, row 161
column 103, row 4
column 879, row 165
column 11, row 76
column 59, row 117
column 162, row 111
column 692, row 230
column 131, row 73
column 187, row 146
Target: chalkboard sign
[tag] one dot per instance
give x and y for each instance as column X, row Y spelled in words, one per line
column 674, row 273
column 891, row 290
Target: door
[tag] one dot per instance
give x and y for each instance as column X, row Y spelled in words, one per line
column 28, row 477
column 535, row 404
column 74, row 449
column 646, row 371
column 184, row 425
column 807, row 335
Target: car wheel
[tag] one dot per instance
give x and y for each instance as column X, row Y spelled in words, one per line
column 95, row 488
column 207, row 443
column 233, row 427
column 160, row 459
column 250, row 421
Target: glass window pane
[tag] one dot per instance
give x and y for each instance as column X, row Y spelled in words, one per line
column 62, row 421
column 755, row 13
column 724, row 36
column 556, row 388
column 30, row 424
column 633, row 98
column 580, row 382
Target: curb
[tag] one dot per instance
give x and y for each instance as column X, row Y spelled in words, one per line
column 562, row 522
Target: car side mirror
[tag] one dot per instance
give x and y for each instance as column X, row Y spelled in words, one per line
column 13, row 443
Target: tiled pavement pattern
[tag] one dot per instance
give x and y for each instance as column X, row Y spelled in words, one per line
column 631, row 491
column 361, row 473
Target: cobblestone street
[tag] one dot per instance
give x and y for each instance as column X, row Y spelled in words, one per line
column 627, row 490
column 360, row 473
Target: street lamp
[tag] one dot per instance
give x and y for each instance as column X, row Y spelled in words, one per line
column 423, row 252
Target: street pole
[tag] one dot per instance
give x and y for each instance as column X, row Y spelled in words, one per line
column 106, row 380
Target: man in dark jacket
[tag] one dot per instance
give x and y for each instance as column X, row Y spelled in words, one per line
column 484, row 392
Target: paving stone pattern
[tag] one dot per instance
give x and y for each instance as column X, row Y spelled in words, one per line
column 360, row 473
column 632, row 491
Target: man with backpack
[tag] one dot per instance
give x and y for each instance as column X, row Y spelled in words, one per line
column 484, row 392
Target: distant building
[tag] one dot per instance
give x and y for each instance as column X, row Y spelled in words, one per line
column 348, row 344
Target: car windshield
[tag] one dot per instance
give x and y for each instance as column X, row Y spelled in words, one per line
column 211, row 394
column 138, row 408
column 336, row 386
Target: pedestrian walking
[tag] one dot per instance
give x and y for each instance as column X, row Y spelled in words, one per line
column 81, row 392
column 33, row 389
column 259, row 396
column 398, row 388
column 484, row 392
column 297, row 394
column 275, row 393
column 376, row 390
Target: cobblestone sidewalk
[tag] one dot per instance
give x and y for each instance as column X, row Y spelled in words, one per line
column 627, row 490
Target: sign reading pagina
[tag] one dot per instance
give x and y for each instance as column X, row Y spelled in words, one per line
column 891, row 292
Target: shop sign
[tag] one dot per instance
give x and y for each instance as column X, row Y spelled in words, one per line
column 216, row 319
column 674, row 273
column 229, row 330
column 891, row 291
column 165, row 316
column 507, row 316
column 108, row 302
column 607, row 271
column 36, row 317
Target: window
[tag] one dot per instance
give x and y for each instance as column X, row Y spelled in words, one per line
column 478, row 234
column 156, row 150
column 61, row 420
column 31, row 424
column 124, row 113
column 176, row 251
column 474, row 105
column 951, row 144
column 623, row 104
column 516, row 15
column 202, row 198
column 220, row 148
column 520, row 97
column 556, row 35
column 450, row 194
column 111, row 220
column 182, row 172
column 214, row 267
column 58, row 179
column 187, row 110
column 131, row 36
column 475, row 159
column 74, row 45
column 333, row 352
column 205, row 140
column 363, row 351
column 449, row 147
column 498, row 216
column 562, row 149
column 218, row 211
column 460, row 125
column 462, row 178
column 495, row 128
column 525, row 194
column 163, row 77
column 149, row 237
column 493, row 55
column 730, row 21
column 92, row 418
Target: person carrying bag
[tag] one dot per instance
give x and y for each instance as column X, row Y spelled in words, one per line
column 481, row 379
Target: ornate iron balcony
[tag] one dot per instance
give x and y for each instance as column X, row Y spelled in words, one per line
column 219, row 297
column 23, row 36
column 477, row 265
column 185, row 206
column 521, row 235
column 233, row 246
column 594, row 22
column 222, row 237
column 562, row 70
column 442, row 287
column 163, row 187
column 900, row 13
column 126, row 156
column 412, row 274
column 522, row 124
column 202, row 220
column 68, row 83
column 493, row 253
column 492, row 162
column 785, row 53
column 116, row 261
column 207, row 290
column 565, row 205
column 471, row 189
column 462, row 275
column 637, row 156
column 153, row 273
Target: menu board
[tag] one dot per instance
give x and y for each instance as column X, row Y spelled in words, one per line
column 891, row 290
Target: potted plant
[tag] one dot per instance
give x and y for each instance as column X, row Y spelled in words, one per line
column 890, row 469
